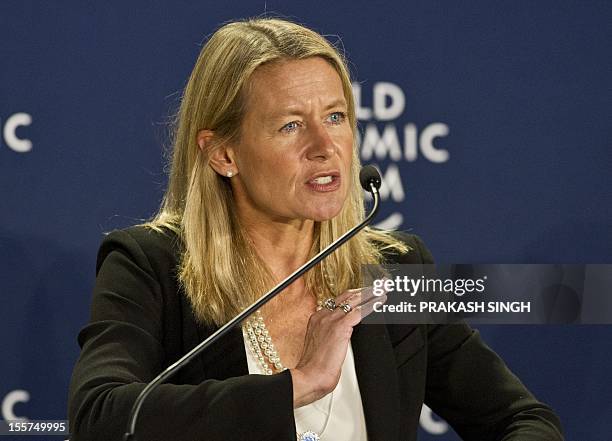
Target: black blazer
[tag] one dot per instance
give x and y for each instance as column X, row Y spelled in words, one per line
column 141, row 322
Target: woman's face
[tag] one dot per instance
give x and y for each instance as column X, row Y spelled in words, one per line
column 295, row 149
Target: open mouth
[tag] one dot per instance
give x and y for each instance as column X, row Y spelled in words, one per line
column 324, row 182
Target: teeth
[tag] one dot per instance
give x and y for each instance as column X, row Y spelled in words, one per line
column 323, row 180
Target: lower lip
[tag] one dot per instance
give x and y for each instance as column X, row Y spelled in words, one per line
column 324, row 188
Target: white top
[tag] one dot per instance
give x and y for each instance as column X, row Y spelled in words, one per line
column 346, row 422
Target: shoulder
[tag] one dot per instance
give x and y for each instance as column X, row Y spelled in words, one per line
column 417, row 251
column 148, row 247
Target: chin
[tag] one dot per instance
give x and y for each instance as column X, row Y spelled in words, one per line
column 322, row 209
column 325, row 213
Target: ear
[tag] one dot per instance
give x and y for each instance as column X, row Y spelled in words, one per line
column 221, row 157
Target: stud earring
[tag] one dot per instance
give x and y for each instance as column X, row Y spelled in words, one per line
column 229, row 173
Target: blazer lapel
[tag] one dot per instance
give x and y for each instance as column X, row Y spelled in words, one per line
column 378, row 381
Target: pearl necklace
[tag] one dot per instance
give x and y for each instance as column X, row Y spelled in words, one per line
column 262, row 348
column 261, row 344
column 259, row 338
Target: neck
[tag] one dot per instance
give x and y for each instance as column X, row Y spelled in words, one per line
column 284, row 246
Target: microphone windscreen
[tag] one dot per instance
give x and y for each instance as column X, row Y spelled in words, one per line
column 369, row 175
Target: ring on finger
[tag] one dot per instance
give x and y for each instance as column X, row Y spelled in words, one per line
column 330, row 304
column 346, row 308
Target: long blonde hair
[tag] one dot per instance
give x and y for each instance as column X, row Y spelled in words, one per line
column 220, row 271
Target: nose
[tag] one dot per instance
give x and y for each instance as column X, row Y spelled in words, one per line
column 321, row 146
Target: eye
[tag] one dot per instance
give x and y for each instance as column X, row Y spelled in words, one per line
column 337, row 118
column 290, row 127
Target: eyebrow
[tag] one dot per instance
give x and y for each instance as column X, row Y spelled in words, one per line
column 336, row 103
column 339, row 102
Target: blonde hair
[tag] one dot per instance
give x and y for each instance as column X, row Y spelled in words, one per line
column 220, row 271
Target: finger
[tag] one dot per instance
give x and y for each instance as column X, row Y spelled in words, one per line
column 369, row 291
column 358, row 296
column 348, row 294
column 368, row 307
column 361, row 311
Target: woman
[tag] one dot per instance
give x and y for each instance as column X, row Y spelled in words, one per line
column 264, row 174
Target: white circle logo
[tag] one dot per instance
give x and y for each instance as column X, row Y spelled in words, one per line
column 9, row 132
column 12, row 398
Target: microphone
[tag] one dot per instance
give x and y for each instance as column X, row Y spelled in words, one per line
column 368, row 177
column 370, row 180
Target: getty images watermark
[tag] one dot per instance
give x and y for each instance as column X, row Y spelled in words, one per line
column 491, row 293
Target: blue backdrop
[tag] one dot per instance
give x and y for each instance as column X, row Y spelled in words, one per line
column 489, row 120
